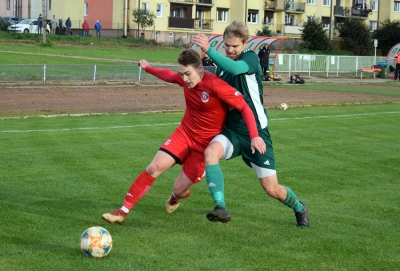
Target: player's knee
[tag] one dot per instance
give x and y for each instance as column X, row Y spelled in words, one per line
column 153, row 169
column 212, row 154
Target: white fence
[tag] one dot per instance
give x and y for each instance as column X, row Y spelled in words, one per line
column 285, row 63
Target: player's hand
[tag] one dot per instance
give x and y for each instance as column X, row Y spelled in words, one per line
column 202, row 41
column 258, row 144
column 143, row 63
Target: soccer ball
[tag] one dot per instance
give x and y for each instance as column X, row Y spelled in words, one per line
column 283, row 106
column 96, row 242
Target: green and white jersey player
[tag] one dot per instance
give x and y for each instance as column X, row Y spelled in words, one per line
column 241, row 69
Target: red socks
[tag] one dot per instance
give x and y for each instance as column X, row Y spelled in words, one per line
column 138, row 189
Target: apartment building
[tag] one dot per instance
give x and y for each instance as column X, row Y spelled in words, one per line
column 183, row 18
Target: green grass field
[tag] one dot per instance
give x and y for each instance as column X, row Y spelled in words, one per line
column 58, row 175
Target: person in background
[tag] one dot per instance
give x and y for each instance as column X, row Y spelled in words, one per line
column 397, row 61
column 53, row 24
column 39, row 24
column 97, row 26
column 85, row 27
column 241, row 69
column 207, row 100
column 68, row 26
column 263, row 55
column 60, row 25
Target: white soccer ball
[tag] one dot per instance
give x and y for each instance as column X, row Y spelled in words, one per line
column 96, row 242
column 283, row 106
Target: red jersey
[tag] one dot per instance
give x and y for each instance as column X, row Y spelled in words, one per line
column 206, row 104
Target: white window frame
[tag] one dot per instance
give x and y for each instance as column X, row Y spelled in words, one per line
column 171, row 34
column 326, row 3
column 184, row 35
column 159, row 11
column 85, row 9
column 157, row 33
column 373, row 5
column 146, row 6
column 252, row 17
column 396, row 6
column 373, row 25
column 312, row 2
column 224, row 14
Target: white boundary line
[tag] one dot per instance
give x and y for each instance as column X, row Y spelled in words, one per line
column 177, row 123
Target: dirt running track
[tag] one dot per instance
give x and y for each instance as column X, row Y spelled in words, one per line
column 47, row 99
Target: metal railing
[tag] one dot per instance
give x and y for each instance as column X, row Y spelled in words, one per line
column 284, row 63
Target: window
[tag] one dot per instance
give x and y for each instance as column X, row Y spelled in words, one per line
column 326, row 2
column 159, row 10
column 184, row 36
column 373, row 25
column 157, row 33
column 49, row 4
column 397, row 6
column 146, row 6
column 85, row 9
column 222, row 15
column 312, row 2
column 171, row 34
column 374, row 5
column 8, row 4
column 177, row 13
column 289, row 19
column 252, row 16
column 326, row 22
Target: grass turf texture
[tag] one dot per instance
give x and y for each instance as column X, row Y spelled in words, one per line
column 58, row 175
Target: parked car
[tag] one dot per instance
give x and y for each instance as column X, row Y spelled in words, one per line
column 11, row 18
column 27, row 26
column 4, row 24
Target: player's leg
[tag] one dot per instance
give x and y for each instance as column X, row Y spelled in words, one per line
column 173, row 151
column 181, row 190
column 221, row 147
column 161, row 163
column 285, row 195
column 192, row 172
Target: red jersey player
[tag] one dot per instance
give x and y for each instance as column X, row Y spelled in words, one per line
column 207, row 98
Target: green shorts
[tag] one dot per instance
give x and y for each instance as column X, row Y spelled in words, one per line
column 241, row 146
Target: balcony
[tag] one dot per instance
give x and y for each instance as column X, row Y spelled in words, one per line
column 340, row 11
column 291, row 29
column 189, row 23
column 360, row 12
column 208, row 2
column 277, row 5
column 295, row 7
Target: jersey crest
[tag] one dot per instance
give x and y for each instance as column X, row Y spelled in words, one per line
column 205, row 96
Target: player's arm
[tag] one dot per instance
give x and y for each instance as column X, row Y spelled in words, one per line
column 164, row 74
column 227, row 64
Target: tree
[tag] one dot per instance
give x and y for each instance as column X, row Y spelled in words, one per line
column 143, row 18
column 356, row 36
column 314, row 36
column 388, row 35
column 264, row 32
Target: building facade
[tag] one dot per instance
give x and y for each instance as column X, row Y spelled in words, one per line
column 179, row 19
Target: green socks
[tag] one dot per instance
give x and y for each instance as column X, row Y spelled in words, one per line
column 292, row 201
column 215, row 183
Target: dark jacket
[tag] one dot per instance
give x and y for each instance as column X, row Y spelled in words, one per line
column 68, row 23
column 263, row 55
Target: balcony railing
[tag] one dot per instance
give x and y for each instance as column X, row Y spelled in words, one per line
column 210, row 2
column 275, row 5
column 295, row 6
column 190, row 23
column 341, row 11
column 359, row 12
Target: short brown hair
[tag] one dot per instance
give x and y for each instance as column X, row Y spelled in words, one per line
column 189, row 58
column 237, row 29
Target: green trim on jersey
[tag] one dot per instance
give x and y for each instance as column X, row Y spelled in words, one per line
column 250, row 85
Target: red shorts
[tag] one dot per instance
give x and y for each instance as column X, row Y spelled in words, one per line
column 189, row 152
